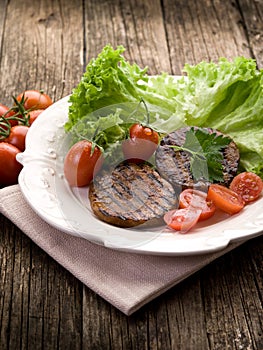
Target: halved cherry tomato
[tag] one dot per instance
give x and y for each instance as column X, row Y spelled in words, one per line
column 248, row 185
column 9, row 166
column 82, row 163
column 34, row 99
column 182, row 219
column 225, row 199
column 191, row 198
column 17, row 136
column 33, row 115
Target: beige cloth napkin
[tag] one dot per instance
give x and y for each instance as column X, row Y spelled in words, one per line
column 127, row 281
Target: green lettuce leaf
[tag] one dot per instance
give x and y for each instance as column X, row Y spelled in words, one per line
column 209, row 84
column 227, row 96
column 109, row 80
column 109, row 93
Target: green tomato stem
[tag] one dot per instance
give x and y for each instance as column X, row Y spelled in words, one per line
column 147, row 112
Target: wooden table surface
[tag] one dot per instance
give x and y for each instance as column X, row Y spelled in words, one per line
column 46, row 45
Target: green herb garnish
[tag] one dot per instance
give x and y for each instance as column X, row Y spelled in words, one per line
column 205, row 150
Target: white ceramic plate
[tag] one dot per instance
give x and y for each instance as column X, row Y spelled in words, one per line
column 44, row 187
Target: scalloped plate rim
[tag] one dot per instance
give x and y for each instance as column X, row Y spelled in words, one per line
column 159, row 244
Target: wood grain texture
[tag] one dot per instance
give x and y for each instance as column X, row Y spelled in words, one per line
column 40, row 51
column 233, row 305
column 3, row 5
column 252, row 16
column 138, row 26
column 203, row 30
column 47, row 44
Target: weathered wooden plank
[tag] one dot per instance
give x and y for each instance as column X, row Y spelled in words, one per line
column 3, row 5
column 55, row 313
column 203, row 30
column 231, row 300
column 186, row 316
column 252, row 14
column 40, row 303
column 96, row 321
column 7, row 262
column 19, row 298
column 250, row 273
column 46, row 55
column 138, row 26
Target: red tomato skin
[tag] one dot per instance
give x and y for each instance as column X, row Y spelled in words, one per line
column 80, row 165
column 17, row 136
column 3, row 109
column 197, row 199
column 33, row 115
column 182, row 220
column 9, row 166
column 248, row 185
column 141, row 145
column 225, row 199
column 34, row 99
column 138, row 150
column 144, row 132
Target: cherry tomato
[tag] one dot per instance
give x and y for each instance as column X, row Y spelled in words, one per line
column 138, row 131
column 142, row 143
column 138, row 150
column 17, row 136
column 9, row 166
column 248, row 185
column 81, row 164
column 34, row 99
column 33, row 115
column 182, row 219
column 191, row 198
column 225, row 199
column 7, row 113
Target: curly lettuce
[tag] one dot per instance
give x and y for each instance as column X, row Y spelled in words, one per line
column 110, row 80
column 227, row 95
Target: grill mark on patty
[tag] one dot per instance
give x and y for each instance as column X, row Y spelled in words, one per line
column 154, row 179
column 137, row 175
column 175, row 167
column 119, row 177
column 130, row 195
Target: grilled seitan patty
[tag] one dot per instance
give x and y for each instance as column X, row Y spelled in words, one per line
column 175, row 166
column 131, row 195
